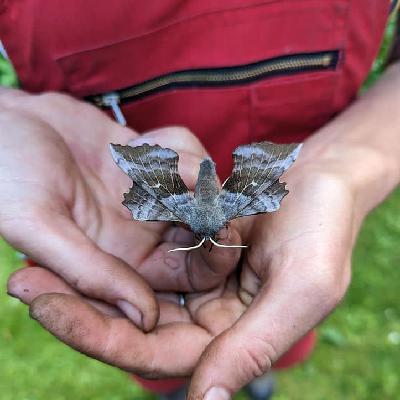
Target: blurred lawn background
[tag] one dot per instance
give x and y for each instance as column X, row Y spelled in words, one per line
column 357, row 358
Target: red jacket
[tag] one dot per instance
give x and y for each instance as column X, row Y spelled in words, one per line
column 232, row 71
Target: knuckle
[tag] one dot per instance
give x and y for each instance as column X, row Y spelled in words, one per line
column 11, row 98
column 49, row 311
column 185, row 139
column 82, row 284
column 54, row 98
column 110, row 350
column 60, row 101
column 330, row 287
column 137, row 360
column 19, row 225
column 259, row 355
column 181, row 131
column 254, row 354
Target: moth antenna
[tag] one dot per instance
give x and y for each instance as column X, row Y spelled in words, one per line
column 188, row 248
column 228, row 246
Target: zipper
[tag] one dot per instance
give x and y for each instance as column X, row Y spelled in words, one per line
column 112, row 100
column 222, row 76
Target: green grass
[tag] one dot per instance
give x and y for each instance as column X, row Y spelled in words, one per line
column 7, row 75
column 357, row 357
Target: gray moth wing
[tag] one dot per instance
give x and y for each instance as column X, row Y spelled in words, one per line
column 158, row 192
column 254, row 185
column 145, row 207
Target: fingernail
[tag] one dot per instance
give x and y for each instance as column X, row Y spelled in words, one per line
column 131, row 312
column 245, row 297
column 12, row 295
column 217, row 393
column 141, row 140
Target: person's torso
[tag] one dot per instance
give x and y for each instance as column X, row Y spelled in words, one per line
column 233, row 71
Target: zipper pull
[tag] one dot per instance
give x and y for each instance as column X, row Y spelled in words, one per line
column 112, row 100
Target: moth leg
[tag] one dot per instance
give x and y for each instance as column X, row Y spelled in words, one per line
column 227, row 246
column 188, row 248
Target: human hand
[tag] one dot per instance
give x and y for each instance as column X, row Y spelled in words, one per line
column 60, row 203
column 289, row 267
column 302, row 270
column 294, row 274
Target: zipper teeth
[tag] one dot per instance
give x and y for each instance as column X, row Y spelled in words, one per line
column 232, row 76
column 224, row 75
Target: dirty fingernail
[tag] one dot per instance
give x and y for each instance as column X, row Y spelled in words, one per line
column 245, row 297
column 217, row 393
column 131, row 312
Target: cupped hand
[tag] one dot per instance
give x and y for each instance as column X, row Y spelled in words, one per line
column 294, row 273
column 60, row 203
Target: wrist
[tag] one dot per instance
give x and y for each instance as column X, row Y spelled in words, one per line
column 366, row 173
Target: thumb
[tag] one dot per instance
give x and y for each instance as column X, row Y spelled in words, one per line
column 270, row 326
column 229, row 362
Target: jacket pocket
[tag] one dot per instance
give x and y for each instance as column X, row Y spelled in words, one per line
column 292, row 107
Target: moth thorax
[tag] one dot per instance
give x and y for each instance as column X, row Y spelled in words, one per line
column 206, row 221
column 206, row 189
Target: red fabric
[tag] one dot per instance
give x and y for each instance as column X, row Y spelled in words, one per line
column 162, row 386
column 299, row 352
column 90, row 47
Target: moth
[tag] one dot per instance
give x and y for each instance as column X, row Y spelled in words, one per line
column 159, row 193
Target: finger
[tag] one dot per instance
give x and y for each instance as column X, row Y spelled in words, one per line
column 27, row 284
column 216, row 310
column 189, row 271
column 10, row 97
column 250, row 284
column 55, row 242
column 171, row 311
column 283, row 312
column 211, row 265
column 117, row 342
